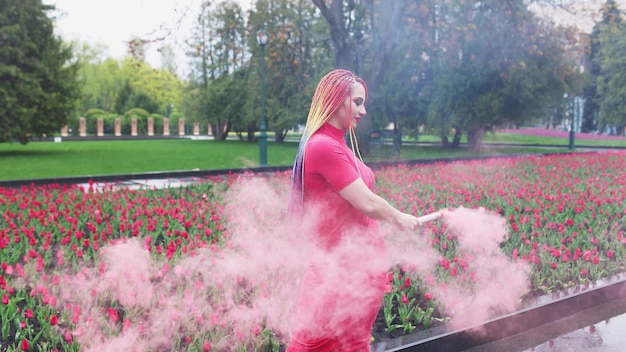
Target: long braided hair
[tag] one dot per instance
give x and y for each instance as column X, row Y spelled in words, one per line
column 330, row 94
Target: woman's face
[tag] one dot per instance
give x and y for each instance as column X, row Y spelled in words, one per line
column 352, row 110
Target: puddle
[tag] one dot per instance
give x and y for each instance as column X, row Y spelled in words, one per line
column 605, row 336
column 597, row 329
column 142, row 184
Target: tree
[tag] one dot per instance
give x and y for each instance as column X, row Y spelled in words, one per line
column 293, row 31
column 38, row 79
column 490, row 44
column 100, row 77
column 611, row 80
column 610, row 14
column 360, row 26
column 130, row 97
column 122, row 103
column 142, row 100
column 118, row 86
column 406, row 92
column 496, row 64
column 159, row 85
column 218, row 51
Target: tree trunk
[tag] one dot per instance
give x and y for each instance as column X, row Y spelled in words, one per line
column 217, row 131
column 444, row 140
column 475, row 139
column 443, row 133
column 397, row 135
column 250, row 134
column 342, row 43
column 384, row 48
column 220, row 130
column 279, row 136
column 456, row 140
column 346, row 50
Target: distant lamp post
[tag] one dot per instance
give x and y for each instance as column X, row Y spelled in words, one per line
column 572, row 131
column 261, row 39
column 169, row 110
column 564, row 111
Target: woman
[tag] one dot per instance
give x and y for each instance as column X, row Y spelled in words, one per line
column 343, row 286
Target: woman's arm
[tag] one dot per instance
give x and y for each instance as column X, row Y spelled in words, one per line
column 375, row 207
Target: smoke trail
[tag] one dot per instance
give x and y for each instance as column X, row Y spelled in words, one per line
column 233, row 293
column 494, row 284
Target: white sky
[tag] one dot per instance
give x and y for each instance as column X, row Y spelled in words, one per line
column 114, row 22
column 586, row 13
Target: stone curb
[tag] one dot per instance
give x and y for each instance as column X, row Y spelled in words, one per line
column 542, row 310
column 201, row 174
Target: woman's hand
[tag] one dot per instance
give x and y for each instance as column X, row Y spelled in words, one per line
column 408, row 222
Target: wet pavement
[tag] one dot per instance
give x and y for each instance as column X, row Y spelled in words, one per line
column 598, row 329
column 143, row 184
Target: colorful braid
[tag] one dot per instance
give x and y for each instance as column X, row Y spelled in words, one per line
column 330, row 94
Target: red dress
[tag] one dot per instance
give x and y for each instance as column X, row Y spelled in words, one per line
column 343, row 286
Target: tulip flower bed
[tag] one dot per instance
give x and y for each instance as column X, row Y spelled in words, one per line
column 565, row 216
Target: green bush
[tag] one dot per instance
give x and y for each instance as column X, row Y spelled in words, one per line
column 142, row 121
column 158, row 124
column 91, row 117
column 174, row 123
column 109, row 123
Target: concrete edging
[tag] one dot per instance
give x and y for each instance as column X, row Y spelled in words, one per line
column 542, row 310
column 200, row 174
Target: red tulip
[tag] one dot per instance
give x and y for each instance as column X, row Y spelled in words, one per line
column 125, row 324
column 405, row 300
column 112, row 314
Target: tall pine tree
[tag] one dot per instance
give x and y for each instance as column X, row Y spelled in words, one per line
column 38, row 81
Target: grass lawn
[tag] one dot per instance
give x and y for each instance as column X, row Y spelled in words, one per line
column 92, row 158
column 513, row 138
column 521, row 138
